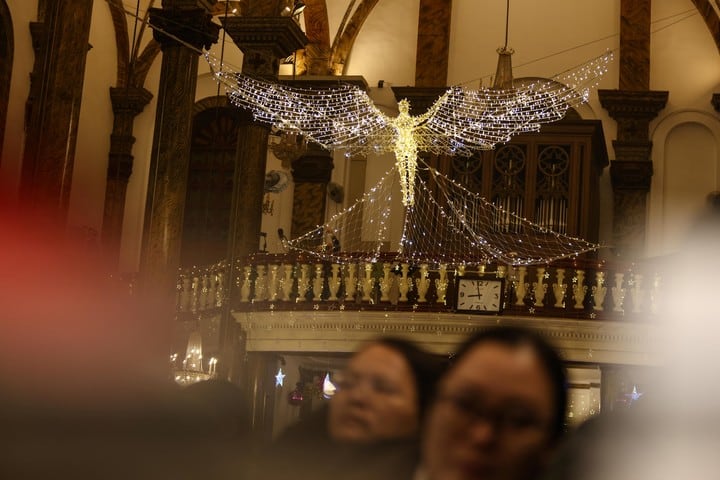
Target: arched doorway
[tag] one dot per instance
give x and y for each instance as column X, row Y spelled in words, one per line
column 210, row 185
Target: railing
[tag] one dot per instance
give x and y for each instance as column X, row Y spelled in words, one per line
column 574, row 289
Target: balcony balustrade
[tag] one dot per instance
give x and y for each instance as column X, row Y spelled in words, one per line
column 576, row 288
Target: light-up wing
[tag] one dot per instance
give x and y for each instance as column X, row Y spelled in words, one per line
column 339, row 117
column 463, row 121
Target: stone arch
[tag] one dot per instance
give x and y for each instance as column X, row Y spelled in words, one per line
column 7, row 46
column 670, row 136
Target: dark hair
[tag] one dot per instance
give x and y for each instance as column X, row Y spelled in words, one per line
column 549, row 360
column 425, row 367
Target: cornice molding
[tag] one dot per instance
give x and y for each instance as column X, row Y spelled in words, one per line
column 279, row 35
column 343, row 331
column 628, row 103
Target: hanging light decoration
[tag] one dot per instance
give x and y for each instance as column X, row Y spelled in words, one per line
column 192, row 370
column 461, row 122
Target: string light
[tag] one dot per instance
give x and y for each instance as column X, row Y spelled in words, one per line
column 460, row 122
column 446, row 225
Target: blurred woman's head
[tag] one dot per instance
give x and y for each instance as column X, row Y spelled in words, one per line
column 383, row 392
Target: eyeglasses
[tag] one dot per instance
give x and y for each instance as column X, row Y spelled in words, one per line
column 510, row 419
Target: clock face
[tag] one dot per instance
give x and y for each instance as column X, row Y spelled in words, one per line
column 480, row 295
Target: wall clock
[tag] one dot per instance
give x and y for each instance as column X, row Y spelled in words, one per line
column 480, row 294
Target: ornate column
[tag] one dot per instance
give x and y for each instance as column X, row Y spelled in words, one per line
column 263, row 40
column 60, row 42
column 633, row 106
column 127, row 103
column 433, row 43
column 189, row 21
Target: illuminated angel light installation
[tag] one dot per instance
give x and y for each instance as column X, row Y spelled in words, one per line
column 460, row 122
column 451, row 226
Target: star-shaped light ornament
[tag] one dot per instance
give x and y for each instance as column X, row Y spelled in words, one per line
column 279, row 378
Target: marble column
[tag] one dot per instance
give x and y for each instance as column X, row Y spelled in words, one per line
column 60, row 42
column 127, row 103
column 259, row 383
column 189, row 21
column 633, row 106
column 433, row 43
column 263, row 40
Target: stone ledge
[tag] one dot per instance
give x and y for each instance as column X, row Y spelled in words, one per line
column 344, row 331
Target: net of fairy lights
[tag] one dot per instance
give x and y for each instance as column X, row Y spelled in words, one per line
column 460, row 122
column 447, row 224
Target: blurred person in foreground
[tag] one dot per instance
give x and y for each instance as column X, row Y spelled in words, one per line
column 498, row 411
column 84, row 369
column 673, row 431
column 370, row 427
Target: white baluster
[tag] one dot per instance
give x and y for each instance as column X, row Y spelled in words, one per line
column 655, row 294
column 350, row 282
column 220, row 288
column 386, row 283
column 599, row 290
column 260, row 284
column 185, row 294
column 334, row 281
column 204, row 288
column 195, row 296
column 618, row 293
column 423, row 283
column 559, row 288
column 521, row 288
column 441, row 283
column 273, row 282
column 246, row 283
column 540, row 287
column 404, row 283
column 579, row 289
column 637, row 293
column 368, row 283
column 287, row 281
column 303, row 282
column 318, row 282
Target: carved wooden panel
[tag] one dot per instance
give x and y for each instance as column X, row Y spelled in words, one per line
column 550, row 178
column 210, row 186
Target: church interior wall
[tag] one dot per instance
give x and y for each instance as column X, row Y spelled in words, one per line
column 381, row 52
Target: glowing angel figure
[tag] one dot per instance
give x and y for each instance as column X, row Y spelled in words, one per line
column 460, row 122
